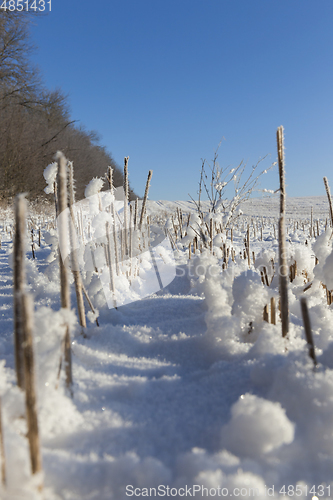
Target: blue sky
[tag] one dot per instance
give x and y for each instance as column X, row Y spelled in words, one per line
column 163, row 81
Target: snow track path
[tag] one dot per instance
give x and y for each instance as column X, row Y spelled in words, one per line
column 145, row 383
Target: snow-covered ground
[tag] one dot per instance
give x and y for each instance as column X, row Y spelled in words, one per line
column 186, row 392
column 268, row 206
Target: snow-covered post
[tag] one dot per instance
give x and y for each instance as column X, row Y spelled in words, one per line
column 63, row 241
column 283, row 268
column 19, row 281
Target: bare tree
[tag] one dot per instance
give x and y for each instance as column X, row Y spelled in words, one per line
column 35, row 122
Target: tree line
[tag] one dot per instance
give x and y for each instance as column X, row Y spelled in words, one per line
column 35, row 122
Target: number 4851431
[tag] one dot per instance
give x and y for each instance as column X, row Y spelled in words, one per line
column 19, row 5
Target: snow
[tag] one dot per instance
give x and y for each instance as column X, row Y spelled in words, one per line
column 176, row 389
column 50, row 174
column 94, row 187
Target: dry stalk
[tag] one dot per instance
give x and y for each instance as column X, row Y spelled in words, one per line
column 75, row 260
column 90, row 303
column 30, row 389
column 179, row 222
column 248, row 246
column 131, row 242
column 110, row 263
column 126, row 204
column 311, row 223
column 283, row 268
column 308, row 331
column 109, row 177
column 136, row 214
column 68, row 361
column 273, row 314
column 143, row 209
column 19, row 281
column 328, row 192
column 63, row 237
column 114, row 226
column 2, row 452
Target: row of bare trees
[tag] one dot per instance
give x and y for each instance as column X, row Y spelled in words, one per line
column 35, row 122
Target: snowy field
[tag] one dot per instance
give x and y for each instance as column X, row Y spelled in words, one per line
column 297, row 208
column 186, row 392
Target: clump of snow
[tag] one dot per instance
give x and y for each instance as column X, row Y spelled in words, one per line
column 94, row 187
column 50, row 175
column 257, row 426
column 250, row 296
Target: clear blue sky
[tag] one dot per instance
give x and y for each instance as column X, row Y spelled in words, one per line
column 163, row 81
